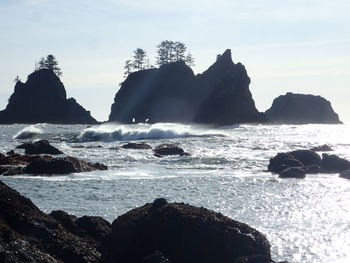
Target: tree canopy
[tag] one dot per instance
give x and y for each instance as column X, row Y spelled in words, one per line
column 167, row 52
column 49, row 62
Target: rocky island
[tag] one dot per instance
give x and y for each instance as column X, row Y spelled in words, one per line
column 43, row 99
column 301, row 109
column 172, row 93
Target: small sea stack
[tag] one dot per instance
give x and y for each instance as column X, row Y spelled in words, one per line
column 301, row 109
column 43, row 99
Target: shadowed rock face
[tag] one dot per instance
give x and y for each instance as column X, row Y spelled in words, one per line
column 43, row 99
column 153, row 233
column 301, row 109
column 173, row 93
column 183, row 234
column 29, row 235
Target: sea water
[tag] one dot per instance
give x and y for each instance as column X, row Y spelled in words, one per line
column 305, row 220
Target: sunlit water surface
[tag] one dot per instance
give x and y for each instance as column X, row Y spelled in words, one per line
column 305, row 220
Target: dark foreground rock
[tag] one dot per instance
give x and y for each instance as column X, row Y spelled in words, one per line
column 172, row 93
column 183, row 234
column 301, row 109
column 169, row 149
column 29, row 235
column 45, row 164
column 136, row 146
column 154, row 233
column 43, row 99
column 39, row 147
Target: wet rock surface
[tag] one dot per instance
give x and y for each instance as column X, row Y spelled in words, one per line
column 64, row 165
column 334, row 163
column 322, row 148
column 45, row 164
column 182, row 233
column 169, row 149
column 136, row 146
column 39, row 147
column 160, row 232
column 29, row 235
column 345, row 174
column 300, row 162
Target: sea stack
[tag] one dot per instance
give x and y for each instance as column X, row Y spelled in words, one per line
column 301, row 109
column 172, row 93
column 43, row 99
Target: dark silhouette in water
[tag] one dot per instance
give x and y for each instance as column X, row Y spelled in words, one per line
column 301, row 109
column 43, row 99
column 172, row 93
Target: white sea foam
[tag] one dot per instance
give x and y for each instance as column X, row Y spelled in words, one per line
column 28, row 132
column 114, row 132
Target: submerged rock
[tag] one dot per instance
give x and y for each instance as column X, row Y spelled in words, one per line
column 282, row 161
column 172, row 93
column 39, row 147
column 43, row 99
column 45, row 164
column 345, row 174
column 322, row 148
column 169, row 149
column 299, row 162
column 301, row 109
column 64, row 165
column 293, row 172
column 136, row 146
column 334, row 163
column 183, row 234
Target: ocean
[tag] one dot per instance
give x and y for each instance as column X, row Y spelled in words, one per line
column 306, row 220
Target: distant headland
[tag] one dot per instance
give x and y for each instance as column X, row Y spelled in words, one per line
column 171, row 93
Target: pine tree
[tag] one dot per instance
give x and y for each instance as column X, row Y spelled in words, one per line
column 179, row 51
column 49, row 63
column 139, row 61
column 128, row 68
column 189, row 60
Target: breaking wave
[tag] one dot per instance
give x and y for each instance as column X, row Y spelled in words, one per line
column 109, row 132
column 28, row 132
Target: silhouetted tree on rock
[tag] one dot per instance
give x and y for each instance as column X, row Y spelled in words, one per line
column 140, row 56
column 49, row 62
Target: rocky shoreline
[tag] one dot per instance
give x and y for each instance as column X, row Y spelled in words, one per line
column 156, row 232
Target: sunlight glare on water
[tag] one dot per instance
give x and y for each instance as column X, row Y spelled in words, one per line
column 305, row 220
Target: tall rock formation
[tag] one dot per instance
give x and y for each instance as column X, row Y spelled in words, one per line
column 301, row 109
column 43, row 99
column 172, row 93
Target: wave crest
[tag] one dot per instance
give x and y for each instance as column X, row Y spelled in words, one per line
column 139, row 132
column 28, row 132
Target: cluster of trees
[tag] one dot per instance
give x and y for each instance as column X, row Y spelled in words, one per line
column 167, row 52
column 49, row 62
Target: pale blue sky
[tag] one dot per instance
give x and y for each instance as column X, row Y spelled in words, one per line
column 298, row 46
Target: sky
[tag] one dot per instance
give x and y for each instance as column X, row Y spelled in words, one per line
column 286, row 46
